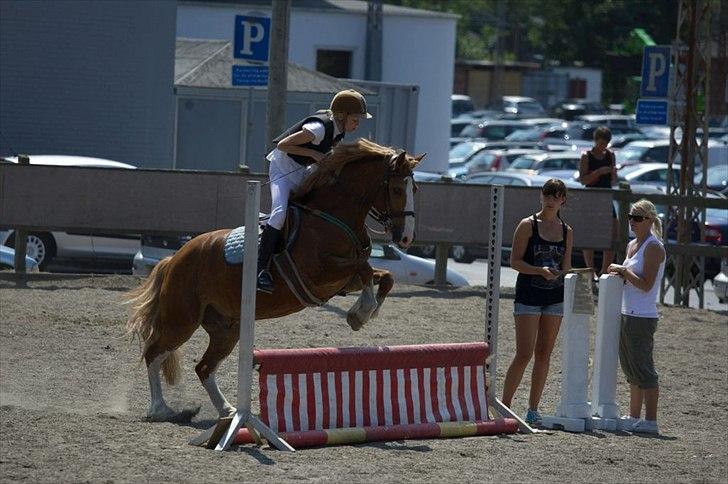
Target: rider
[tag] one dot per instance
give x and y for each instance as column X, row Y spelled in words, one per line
column 298, row 148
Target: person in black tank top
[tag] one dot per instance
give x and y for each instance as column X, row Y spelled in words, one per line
column 541, row 254
column 598, row 169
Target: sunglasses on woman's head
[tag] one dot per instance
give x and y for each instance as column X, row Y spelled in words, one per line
column 636, row 218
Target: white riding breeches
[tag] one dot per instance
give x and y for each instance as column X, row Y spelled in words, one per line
column 285, row 176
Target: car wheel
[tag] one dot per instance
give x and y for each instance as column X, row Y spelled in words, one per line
column 460, row 254
column 41, row 247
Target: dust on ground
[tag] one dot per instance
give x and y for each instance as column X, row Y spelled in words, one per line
column 73, row 397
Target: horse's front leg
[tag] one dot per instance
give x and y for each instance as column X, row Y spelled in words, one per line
column 385, row 279
column 363, row 308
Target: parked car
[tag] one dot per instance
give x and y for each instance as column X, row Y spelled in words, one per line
column 520, row 106
column 406, row 268
column 46, row 247
column 461, row 104
column 461, row 151
column 457, row 125
column 573, row 108
column 490, row 130
column 518, row 179
column 716, row 178
column 610, row 120
column 648, row 174
column 643, row 151
column 7, row 260
column 544, row 162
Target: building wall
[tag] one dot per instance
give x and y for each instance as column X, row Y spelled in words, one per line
column 90, row 78
column 479, row 85
column 593, row 78
column 416, row 50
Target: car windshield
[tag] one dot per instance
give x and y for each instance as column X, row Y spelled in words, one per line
column 529, row 134
column 461, row 150
column 630, row 153
column 471, row 131
column 482, row 158
column 530, row 107
column 523, row 163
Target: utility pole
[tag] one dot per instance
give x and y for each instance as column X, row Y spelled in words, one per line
column 373, row 68
column 278, row 70
column 691, row 60
column 496, row 82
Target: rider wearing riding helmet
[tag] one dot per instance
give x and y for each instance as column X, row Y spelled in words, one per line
column 298, row 149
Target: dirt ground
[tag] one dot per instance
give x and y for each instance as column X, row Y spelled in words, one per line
column 73, row 398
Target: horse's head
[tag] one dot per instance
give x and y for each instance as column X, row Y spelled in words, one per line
column 394, row 206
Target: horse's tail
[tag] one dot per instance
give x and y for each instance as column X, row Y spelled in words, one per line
column 145, row 319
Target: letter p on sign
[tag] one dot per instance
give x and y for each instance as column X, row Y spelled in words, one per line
column 655, row 71
column 252, row 37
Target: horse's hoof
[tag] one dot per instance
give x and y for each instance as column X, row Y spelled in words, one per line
column 354, row 321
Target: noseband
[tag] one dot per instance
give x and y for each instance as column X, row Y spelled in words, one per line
column 386, row 218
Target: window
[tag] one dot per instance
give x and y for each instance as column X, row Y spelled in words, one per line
column 335, row 63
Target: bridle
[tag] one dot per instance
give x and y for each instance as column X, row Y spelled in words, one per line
column 386, row 218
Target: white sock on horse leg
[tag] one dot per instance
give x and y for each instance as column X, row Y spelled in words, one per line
column 157, row 405
column 223, row 407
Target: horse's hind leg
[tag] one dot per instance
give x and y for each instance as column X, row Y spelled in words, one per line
column 178, row 322
column 224, row 335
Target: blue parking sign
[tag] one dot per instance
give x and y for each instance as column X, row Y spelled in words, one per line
column 655, row 71
column 252, row 36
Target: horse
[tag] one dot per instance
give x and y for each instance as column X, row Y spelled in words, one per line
column 197, row 287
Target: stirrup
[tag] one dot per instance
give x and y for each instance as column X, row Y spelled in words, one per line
column 265, row 282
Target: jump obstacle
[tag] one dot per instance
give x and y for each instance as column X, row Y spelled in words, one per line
column 352, row 395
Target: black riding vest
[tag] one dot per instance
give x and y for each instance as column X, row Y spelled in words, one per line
column 326, row 144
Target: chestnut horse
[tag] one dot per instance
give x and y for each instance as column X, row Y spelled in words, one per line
column 197, row 286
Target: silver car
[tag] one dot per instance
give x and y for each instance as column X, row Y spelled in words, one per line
column 46, row 247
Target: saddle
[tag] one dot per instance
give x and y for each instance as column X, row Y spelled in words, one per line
column 282, row 261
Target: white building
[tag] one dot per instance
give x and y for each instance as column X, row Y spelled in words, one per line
column 418, row 47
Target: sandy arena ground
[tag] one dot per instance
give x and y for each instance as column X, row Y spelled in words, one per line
column 73, row 398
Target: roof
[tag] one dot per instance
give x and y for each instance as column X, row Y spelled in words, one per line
column 208, row 63
column 343, row 6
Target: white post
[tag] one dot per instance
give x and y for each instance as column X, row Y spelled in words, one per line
column 243, row 415
column 492, row 300
column 604, row 380
column 573, row 407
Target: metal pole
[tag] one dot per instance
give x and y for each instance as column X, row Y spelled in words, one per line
column 373, row 68
column 278, row 70
column 21, row 242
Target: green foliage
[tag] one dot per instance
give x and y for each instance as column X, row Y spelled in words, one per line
column 565, row 31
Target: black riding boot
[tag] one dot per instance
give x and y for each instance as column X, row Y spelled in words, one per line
column 267, row 245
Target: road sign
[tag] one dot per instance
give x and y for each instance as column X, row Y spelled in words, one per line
column 655, row 71
column 250, row 75
column 652, row 111
column 252, row 36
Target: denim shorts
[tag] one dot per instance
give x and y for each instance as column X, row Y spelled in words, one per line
column 556, row 309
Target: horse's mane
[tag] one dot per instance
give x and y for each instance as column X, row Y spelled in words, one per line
column 342, row 155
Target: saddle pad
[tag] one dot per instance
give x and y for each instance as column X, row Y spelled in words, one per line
column 235, row 245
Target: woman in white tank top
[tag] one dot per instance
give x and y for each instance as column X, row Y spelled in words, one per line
column 642, row 269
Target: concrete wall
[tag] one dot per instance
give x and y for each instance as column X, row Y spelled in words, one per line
column 416, row 50
column 91, row 78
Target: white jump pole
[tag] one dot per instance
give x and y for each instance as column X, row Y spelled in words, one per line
column 243, row 415
column 492, row 301
column 573, row 408
column 604, row 409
